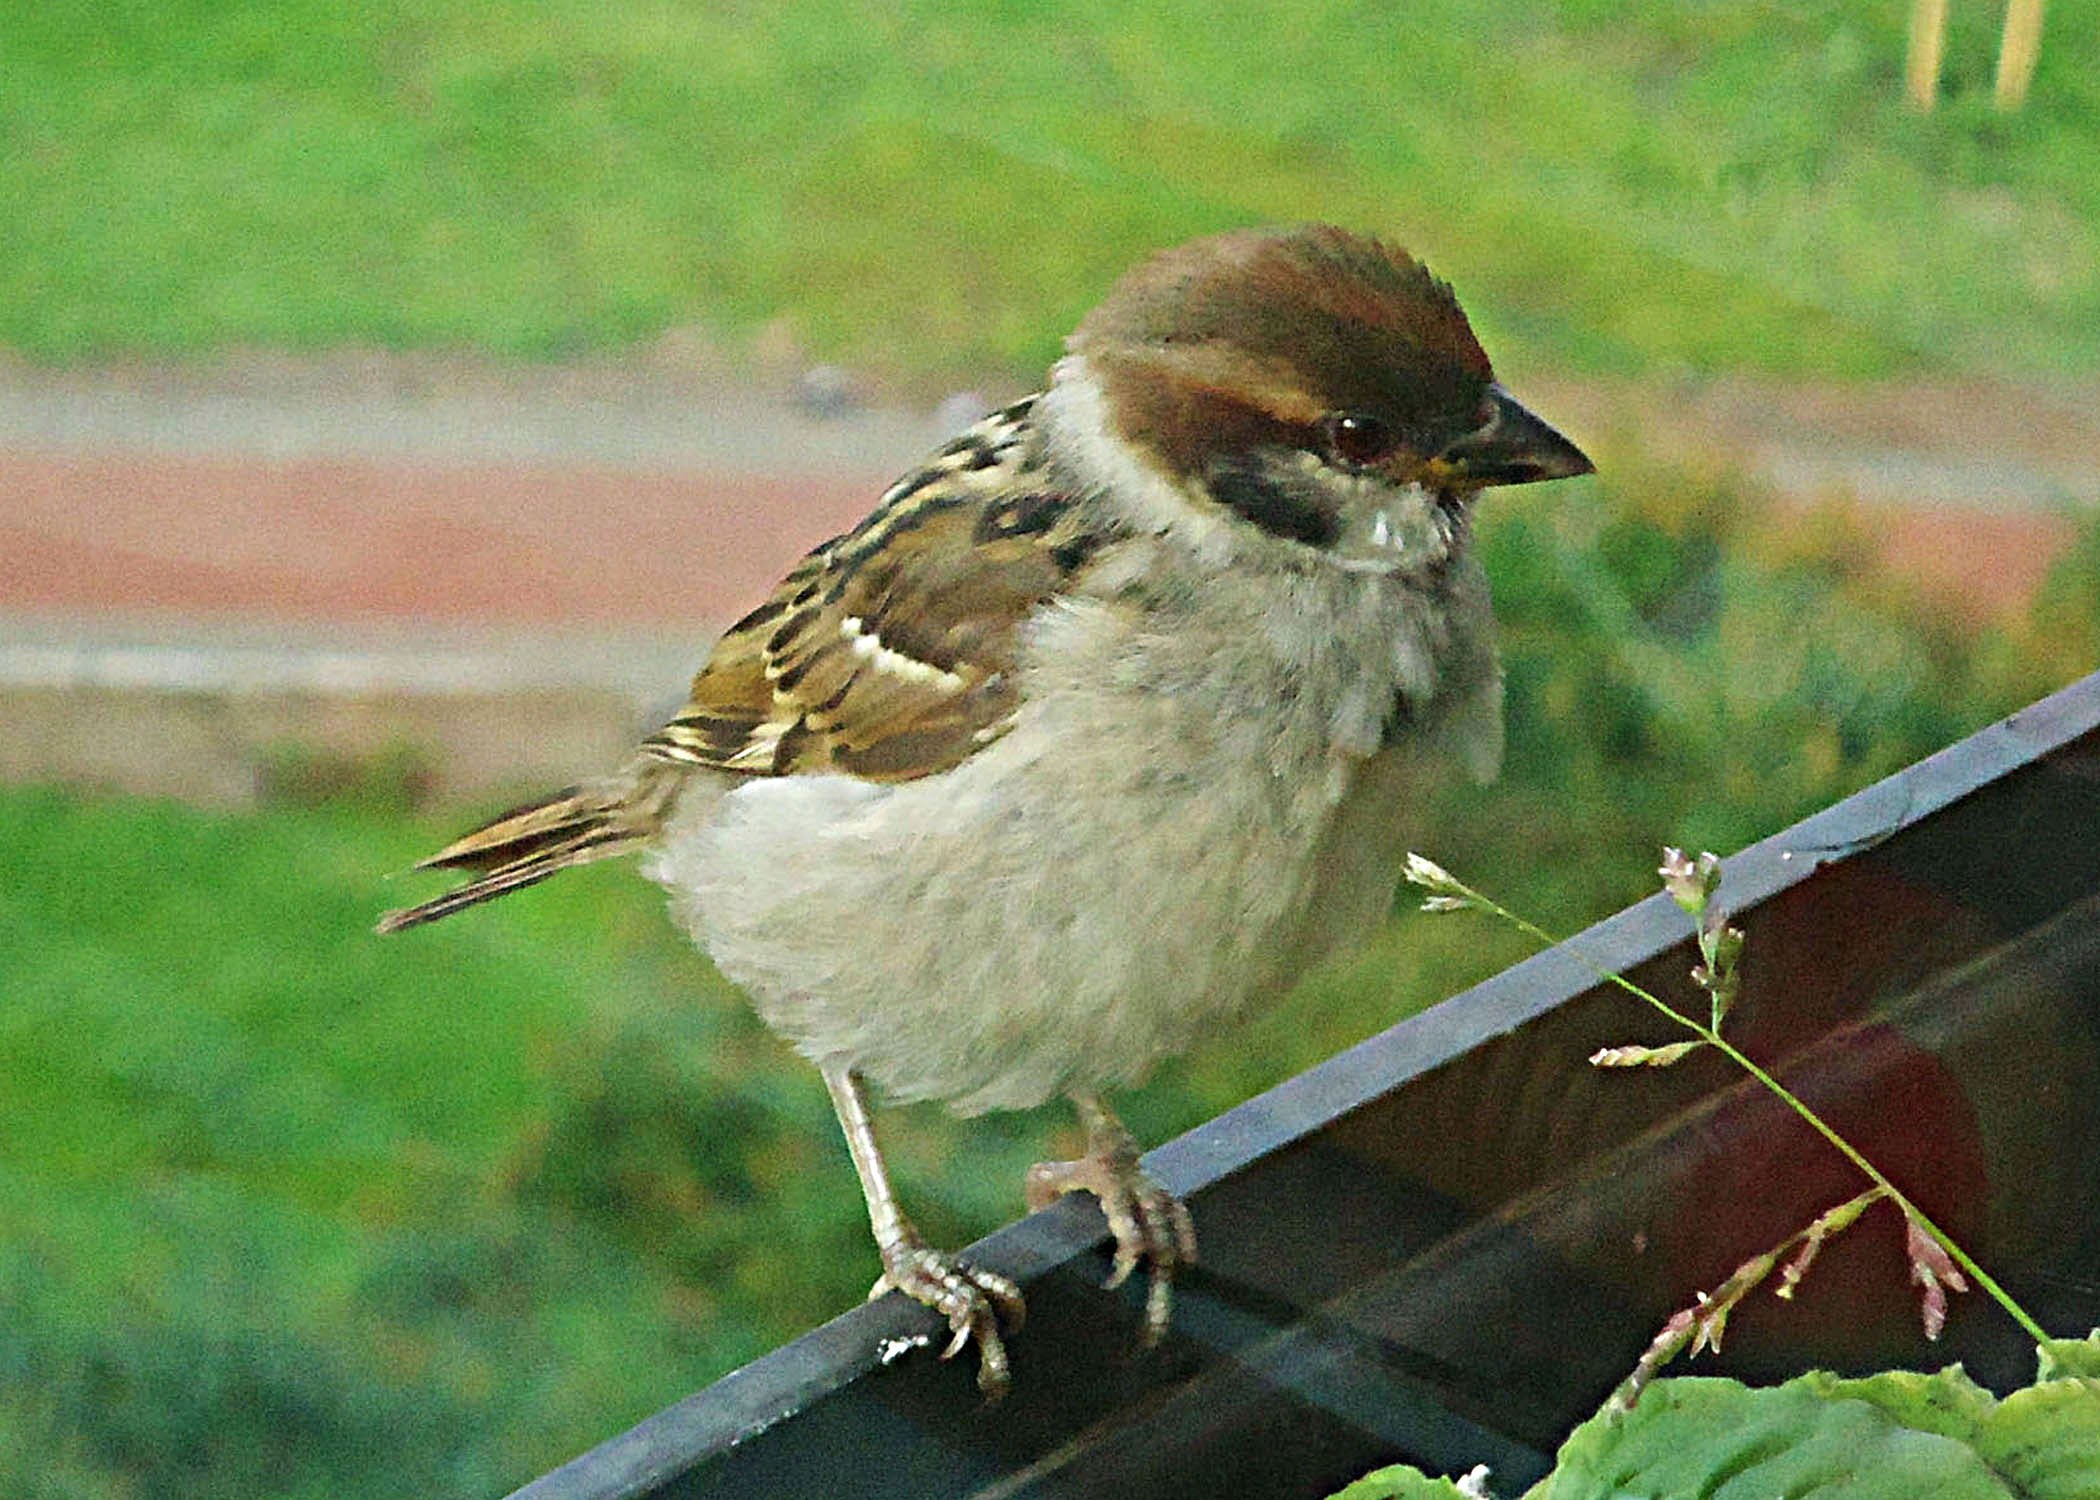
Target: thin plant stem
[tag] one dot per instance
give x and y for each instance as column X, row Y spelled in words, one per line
column 1713, row 1038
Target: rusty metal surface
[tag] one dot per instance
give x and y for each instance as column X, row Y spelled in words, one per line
column 1446, row 1243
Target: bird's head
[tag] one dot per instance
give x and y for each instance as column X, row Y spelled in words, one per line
column 1314, row 384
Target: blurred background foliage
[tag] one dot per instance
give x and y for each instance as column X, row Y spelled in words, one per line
column 931, row 189
column 291, row 1212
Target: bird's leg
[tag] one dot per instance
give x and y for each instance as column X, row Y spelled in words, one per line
column 1149, row 1223
column 977, row 1303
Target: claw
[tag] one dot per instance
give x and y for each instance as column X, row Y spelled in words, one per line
column 1150, row 1225
column 979, row 1305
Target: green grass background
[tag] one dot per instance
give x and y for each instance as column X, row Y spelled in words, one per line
column 938, row 189
column 289, row 1211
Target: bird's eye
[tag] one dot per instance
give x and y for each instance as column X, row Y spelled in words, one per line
column 1358, row 438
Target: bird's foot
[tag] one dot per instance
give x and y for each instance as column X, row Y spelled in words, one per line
column 1150, row 1224
column 979, row 1305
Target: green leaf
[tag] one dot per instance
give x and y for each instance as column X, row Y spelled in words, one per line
column 2045, row 1440
column 1400, row 1482
column 2060, row 1358
column 1721, row 1440
column 1949, row 1403
column 1890, row 1436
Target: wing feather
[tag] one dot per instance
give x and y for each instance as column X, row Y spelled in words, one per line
column 890, row 652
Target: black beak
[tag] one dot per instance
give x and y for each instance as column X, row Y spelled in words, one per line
column 1511, row 447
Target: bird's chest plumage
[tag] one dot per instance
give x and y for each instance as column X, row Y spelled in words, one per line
column 1134, row 859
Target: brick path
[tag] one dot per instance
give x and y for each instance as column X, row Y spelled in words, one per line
column 390, row 533
column 360, row 487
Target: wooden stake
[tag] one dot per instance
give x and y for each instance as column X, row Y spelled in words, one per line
column 1928, row 27
column 2018, row 52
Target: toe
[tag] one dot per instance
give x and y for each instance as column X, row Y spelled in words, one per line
column 1132, row 1242
column 964, row 1323
column 1159, row 1305
column 994, row 1378
column 1046, row 1182
column 1170, row 1236
column 1006, row 1298
column 1184, row 1229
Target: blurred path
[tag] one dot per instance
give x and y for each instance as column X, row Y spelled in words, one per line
column 515, row 569
column 360, row 487
column 350, row 539
column 1971, row 488
column 352, row 489
column 1967, row 444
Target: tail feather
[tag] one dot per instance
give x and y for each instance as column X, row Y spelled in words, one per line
column 527, row 844
column 523, row 830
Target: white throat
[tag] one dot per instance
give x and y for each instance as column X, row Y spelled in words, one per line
column 1084, row 441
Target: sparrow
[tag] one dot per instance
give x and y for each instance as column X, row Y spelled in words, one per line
column 1098, row 730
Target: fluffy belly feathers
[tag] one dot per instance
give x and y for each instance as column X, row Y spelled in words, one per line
column 1120, row 871
column 990, row 940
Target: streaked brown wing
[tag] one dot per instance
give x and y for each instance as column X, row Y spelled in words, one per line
column 889, row 653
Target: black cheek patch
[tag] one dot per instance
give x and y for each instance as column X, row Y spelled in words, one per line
column 1278, row 504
